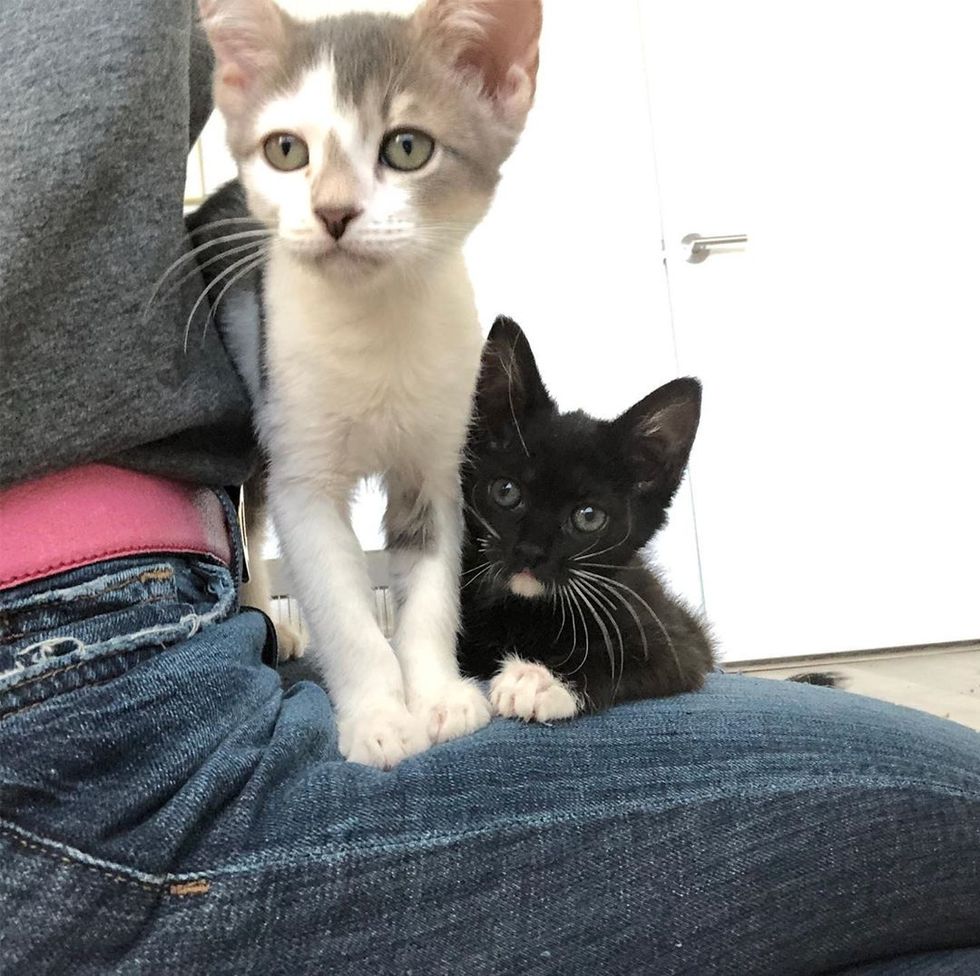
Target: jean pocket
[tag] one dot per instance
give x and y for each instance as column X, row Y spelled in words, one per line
column 82, row 620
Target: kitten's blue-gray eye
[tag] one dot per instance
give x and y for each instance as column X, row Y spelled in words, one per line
column 506, row 493
column 407, row 149
column 588, row 518
column 285, row 151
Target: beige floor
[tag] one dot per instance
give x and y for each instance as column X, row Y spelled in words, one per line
column 942, row 681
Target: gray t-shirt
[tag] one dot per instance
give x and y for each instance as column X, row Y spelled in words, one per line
column 99, row 103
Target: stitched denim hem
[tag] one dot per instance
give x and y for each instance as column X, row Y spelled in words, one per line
column 179, row 885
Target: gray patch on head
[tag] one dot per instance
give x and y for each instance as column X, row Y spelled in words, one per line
column 367, row 51
column 409, row 523
column 374, row 59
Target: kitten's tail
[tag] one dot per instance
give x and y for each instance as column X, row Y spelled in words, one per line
column 826, row 679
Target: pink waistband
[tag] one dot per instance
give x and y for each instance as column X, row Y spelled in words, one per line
column 96, row 512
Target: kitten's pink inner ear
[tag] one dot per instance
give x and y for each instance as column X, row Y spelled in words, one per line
column 495, row 39
column 246, row 36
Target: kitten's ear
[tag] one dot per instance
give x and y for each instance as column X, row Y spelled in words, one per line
column 495, row 41
column 510, row 387
column 247, row 37
column 658, row 433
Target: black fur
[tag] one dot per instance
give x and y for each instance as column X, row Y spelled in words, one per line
column 824, row 679
column 617, row 634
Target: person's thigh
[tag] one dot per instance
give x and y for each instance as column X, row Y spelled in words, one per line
column 952, row 962
column 170, row 807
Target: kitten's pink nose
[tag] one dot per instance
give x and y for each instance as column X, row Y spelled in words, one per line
column 337, row 219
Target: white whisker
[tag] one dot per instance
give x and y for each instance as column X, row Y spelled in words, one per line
column 649, row 609
column 484, row 571
column 259, row 258
column 472, row 510
column 574, row 602
column 192, row 254
column 234, row 267
column 622, row 599
column 468, row 572
column 607, row 606
column 577, row 586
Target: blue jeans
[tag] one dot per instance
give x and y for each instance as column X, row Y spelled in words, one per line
column 165, row 806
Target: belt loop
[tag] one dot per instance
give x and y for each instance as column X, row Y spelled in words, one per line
column 227, row 497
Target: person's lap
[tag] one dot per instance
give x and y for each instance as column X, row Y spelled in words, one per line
column 173, row 806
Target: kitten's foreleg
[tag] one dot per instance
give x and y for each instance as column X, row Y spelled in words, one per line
column 328, row 569
column 257, row 591
column 424, row 524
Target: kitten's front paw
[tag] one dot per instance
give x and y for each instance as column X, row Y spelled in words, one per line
column 531, row 692
column 457, row 708
column 381, row 735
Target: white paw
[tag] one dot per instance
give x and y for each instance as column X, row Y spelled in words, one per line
column 381, row 735
column 531, row 692
column 456, row 709
column 292, row 642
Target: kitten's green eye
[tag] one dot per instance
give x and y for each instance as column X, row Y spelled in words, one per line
column 407, row 149
column 285, row 152
column 589, row 519
column 506, row 493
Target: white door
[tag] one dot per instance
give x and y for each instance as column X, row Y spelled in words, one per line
column 836, row 477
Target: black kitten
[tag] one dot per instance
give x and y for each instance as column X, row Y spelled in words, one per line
column 558, row 606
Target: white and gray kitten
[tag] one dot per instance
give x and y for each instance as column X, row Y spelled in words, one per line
column 369, row 147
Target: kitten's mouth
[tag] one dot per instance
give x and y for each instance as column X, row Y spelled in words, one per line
column 526, row 584
column 336, row 256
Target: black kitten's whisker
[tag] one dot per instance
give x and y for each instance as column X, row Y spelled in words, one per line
column 558, row 592
column 577, row 586
column 564, row 594
column 576, row 603
column 486, row 569
column 629, row 529
column 467, row 572
column 622, row 599
column 608, row 607
column 471, row 508
column 649, row 609
column 231, row 269
column 191, row 255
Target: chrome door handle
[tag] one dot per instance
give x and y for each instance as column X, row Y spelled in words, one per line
column 701, row 247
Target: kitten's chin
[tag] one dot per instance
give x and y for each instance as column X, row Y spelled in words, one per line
column 527, row 585
column 337, row 260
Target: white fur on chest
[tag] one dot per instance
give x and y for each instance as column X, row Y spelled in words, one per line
column 367, row 376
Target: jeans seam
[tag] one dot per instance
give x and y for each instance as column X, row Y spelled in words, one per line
column 200, row 882
column 145, row 650
column 144, row 577
column 10, row 638
column 177, row 886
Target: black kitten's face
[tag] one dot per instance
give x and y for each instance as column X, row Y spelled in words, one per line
column 564, row 504
column 552, row 496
